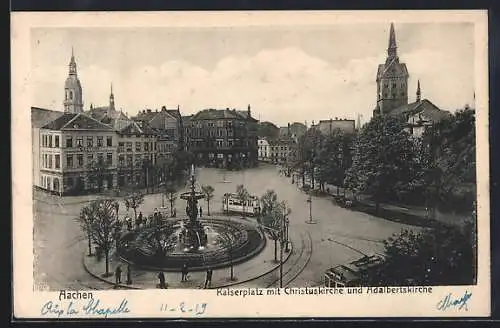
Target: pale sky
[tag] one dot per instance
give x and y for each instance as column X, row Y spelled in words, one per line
column 297, row 73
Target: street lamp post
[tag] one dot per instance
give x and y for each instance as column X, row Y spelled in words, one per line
column 287, row 225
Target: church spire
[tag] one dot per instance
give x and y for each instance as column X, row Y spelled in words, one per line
column 418, row 91
column 111, row 99
column 72, row 63
column 392, row 49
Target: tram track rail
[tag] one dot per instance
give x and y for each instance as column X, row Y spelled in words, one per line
column 304, row 257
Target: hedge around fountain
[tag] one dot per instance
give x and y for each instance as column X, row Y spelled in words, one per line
column 244, row 251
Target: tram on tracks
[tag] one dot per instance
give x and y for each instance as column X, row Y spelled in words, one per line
column 231, row 203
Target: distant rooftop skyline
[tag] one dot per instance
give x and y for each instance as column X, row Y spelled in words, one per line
column 286, row 74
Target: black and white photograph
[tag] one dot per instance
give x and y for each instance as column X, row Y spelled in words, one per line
column 293, row 157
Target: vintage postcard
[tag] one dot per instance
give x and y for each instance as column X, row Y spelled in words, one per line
column 250, row 164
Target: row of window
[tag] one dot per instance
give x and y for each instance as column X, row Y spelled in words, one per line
column 219, row 124
column 47, row 141
column 201, row 132
column 129, row 146
column 49, row 159
column 394, row 85
column 128, row 160
column 52, row 141
column 49, row 183
column 220, row 143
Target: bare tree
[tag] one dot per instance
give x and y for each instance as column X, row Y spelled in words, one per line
column 86, row 219
column 209, row 194
column 104, row 227
column 243, row 196
column 171, row 196
column 133, row 201
column 226, row 240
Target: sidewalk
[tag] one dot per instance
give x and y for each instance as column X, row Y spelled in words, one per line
column 411, row 215
column 254, row 268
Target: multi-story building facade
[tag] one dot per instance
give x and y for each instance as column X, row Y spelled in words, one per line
column 327, row 127
column 264, row 150
column 136, row 155
column 77, row 153
column 39, row 118
column 284, row 151
column 223, row 137
column 167, row 121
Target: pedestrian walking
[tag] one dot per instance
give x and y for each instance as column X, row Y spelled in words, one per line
column 118, row 275
column 129, row 275
column 184, row 272
column 161, row 277
column 208, row 279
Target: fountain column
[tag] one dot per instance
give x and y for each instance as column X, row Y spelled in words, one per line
column 195, row 236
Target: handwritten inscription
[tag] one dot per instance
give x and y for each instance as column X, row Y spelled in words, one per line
column 183, row 307
column 449, row 301
column 92, row 307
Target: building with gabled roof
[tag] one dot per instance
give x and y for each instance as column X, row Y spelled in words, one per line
column 77, row 154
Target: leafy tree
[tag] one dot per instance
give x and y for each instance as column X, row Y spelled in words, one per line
column 86, row 219
column 335, row 158
column 452, row 151
column 208, row 191
column 104, row 227
column 97, row 170
column 441, row 256
column 308, row 150
column 243, row 196
column 161, row 241
column 383, row 159
column 170, row 192
column 133, row 201
column 270, row 217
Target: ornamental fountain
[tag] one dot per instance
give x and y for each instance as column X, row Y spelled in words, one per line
column 167, row 245
column 193, row 235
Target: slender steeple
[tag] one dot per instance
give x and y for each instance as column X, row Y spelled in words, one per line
column 249, row 112
column 392, row 49
column 73, row 102
column 418, row 91
column 392, row 79
column 72, row 63
column 111, row 99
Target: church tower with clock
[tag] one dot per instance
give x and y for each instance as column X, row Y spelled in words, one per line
column 392, row 80
column 73, row 102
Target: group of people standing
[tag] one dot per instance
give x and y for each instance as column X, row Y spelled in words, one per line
column 184, row 277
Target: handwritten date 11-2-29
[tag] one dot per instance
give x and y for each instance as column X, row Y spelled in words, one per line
column 196, row 309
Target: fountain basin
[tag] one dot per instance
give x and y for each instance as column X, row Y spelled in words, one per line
column 228, row 241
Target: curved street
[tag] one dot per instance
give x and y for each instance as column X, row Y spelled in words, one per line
column 338, row 235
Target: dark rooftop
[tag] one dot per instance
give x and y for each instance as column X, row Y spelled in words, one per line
column 71, row 121
column 42, row 116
